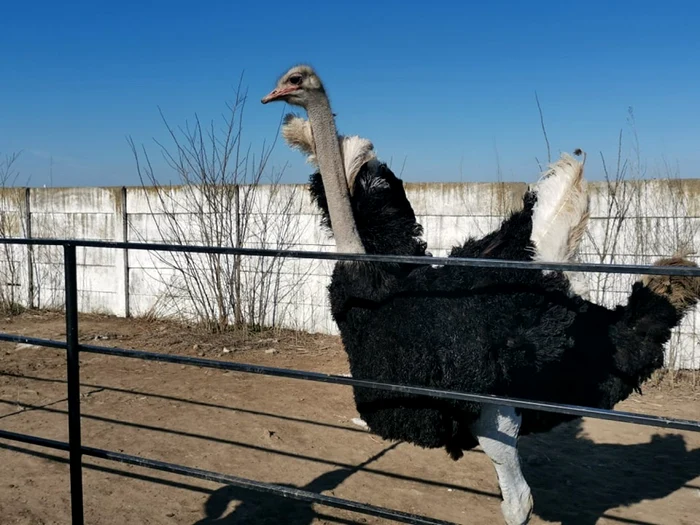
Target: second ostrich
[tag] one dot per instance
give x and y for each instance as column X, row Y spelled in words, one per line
column 508, row 333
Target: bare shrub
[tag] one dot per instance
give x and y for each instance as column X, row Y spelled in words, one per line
column 226, row 197
column 13, row 258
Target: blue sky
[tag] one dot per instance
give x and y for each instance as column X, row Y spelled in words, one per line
column 447, row 87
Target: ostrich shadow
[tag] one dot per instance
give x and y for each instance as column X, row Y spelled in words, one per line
column 575, row 481
column 268, row 509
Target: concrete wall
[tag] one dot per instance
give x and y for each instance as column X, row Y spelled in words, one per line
column 653, row 219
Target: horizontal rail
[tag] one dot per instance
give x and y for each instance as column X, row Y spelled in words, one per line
column 21, row 339
column 72, row 346
column 35, row 440
column 574, row 410
column 598, row 413
column 270, row 488
column 402, row 259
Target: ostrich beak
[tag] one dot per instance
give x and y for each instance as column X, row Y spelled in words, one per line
column 278, row 93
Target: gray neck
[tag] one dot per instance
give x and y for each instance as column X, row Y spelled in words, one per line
column 330, row 163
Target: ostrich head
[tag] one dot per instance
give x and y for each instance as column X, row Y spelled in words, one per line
column 301, row 86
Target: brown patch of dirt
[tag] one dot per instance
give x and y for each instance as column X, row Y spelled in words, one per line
column 300, row 434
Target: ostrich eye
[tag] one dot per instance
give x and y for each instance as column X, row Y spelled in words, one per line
column 295, row 79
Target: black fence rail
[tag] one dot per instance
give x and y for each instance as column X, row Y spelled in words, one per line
column 73, row 349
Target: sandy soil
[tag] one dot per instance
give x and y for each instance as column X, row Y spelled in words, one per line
column 300, row 434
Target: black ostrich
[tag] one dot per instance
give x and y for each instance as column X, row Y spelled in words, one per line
column 489, row 331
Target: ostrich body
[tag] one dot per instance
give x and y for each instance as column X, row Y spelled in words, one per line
column 515, row 333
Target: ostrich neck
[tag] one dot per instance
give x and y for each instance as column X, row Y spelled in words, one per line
column 330, row 163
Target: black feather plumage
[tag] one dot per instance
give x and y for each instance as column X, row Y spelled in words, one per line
column 516, row 333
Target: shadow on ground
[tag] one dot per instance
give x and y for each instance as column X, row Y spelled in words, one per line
column 576, row 481
column 267, row 509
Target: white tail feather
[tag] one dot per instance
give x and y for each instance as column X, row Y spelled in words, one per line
column 560, row 216
column 356, row 151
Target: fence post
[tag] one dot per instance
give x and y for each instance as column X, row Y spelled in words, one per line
column 30, row 247
column 238, row 311
column 73, row 365
column 121, row 266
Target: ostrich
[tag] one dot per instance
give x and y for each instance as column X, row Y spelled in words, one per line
column 504, row 332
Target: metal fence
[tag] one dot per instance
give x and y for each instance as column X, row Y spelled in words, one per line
column 73, row 348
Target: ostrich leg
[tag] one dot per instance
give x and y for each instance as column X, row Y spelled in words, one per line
column 497, row 432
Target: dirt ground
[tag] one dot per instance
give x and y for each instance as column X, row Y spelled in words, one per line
column 300, row 434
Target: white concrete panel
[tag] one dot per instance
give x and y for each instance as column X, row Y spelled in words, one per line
column 78, row 225
column 660, row 217
column 75, row 200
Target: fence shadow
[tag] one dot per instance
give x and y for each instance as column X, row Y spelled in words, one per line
column 268, row 509
column 257, row 507
column 177, row 399
column 576, row 481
